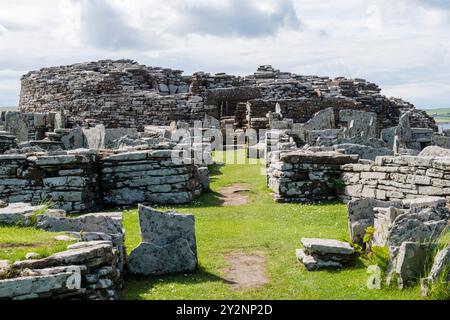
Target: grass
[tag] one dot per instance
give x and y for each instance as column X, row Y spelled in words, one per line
column 261, row 225
column 16, row 242
column 441, row 115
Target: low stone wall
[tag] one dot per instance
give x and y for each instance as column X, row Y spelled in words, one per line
column 397, row 178
column 85, row 180
column 300, row 176
column 69, row 180
column 147, row 176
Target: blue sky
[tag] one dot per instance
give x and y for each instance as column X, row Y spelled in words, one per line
column 402, row 45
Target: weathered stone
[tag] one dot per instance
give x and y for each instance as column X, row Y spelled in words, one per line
column 326, row 246
column 18, row 214
column 32, row 287
column 92, row 254
column 441, row 265
column 168, row 243
column 434, row 151
column 361, row 216
column 314, row 263
column 94, row 222
column 410, row 262
column 151, row 259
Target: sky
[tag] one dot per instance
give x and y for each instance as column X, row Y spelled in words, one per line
column 402, row 45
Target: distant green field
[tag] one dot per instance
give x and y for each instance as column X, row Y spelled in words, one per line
column 440, row 115
column 8, row 108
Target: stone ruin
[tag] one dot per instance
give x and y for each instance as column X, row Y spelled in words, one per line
column 94, row 266
column 128, row 116
column 91, row 268
column 103, row 134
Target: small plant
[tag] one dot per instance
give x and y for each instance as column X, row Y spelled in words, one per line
column 44, row 206
column 379, row 256
column 440, row 289
column 337, row 183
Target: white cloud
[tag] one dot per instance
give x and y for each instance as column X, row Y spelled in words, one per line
column 402, row 45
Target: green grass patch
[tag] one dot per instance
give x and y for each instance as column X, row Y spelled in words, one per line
column 264, row 226
column 441, row 115
column 16, row 242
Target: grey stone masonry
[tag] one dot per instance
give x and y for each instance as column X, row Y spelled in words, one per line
column 123, row 93
column 324, row 253
column 396, row 178
column 83, row 180
column 68, row 179
column 300, row 176
column 148, row 176
column 86, row 270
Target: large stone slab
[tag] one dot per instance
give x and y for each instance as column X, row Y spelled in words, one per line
column 168, row 243
column 313, row 263
column 110, row 223
column 34, row 286
column 18, row 213
column 326, row 246
column 150, row 259
column 90, row 254
column 410, row 262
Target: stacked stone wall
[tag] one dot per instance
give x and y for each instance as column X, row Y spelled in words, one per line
column 69, row 180
column 306, row 177
column 147, row 176
column 84, row 180
column 396, row 178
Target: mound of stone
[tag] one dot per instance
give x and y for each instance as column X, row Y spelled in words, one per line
column 168, row 243
column 324, row 253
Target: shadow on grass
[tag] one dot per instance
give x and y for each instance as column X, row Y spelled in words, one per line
column 137, row 286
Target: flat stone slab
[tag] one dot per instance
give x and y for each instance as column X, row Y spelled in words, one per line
column 425, row 202
column 106, row 222
column 313, row 263
column 91, row 254
column 18, row 213
column 326, row 246
column 33, row 286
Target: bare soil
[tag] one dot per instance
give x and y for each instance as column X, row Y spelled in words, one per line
column 245, row 270
column 234, row 195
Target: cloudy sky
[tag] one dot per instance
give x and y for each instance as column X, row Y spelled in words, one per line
column 403, row 45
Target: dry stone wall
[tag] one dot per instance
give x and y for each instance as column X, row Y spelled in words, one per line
column 301, row 176
column 69, row 180
column 396, row 178
column 82, row 180
column 148, row 176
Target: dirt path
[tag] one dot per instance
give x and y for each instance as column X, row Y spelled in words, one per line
column 234, row 195
column 245, row 270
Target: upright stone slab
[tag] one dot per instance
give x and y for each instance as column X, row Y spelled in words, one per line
column 168, row 243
